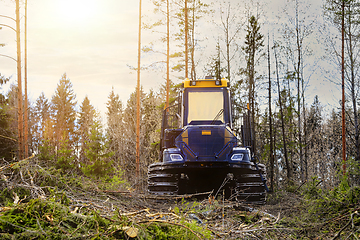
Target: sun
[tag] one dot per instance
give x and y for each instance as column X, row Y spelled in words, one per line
column 76, row 11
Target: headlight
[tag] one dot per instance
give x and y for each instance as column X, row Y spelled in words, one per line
column 237, row 157
column 176, row 157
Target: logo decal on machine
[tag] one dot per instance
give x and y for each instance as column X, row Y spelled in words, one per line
column 206, row 132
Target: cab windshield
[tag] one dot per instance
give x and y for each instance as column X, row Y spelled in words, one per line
column 205, row 106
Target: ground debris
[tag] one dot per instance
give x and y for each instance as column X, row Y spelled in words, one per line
column 39, row 202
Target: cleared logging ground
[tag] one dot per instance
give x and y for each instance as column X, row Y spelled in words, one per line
column 41, row 202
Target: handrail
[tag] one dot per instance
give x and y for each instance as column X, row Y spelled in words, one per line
column 227, row 144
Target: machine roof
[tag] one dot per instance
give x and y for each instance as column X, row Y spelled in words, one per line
column 201, row 83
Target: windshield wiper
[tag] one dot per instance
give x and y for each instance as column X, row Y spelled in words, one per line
column 217, row 116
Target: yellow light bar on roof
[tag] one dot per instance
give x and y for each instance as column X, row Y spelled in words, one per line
column 201, row 83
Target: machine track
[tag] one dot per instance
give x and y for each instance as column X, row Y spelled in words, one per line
column 250, row 185
column 162, row 181
column 247, row 184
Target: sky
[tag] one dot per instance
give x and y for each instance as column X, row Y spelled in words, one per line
column 94, row 42
column 93, row 45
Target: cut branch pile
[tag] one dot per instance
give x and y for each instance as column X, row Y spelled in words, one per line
column 44, row 203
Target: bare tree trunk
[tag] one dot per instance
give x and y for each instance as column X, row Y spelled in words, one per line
column 270, row 127
column 289, row 172
column 352, row 87
column 227, row 22
column 252, row 112
column 343, row 86
column 356, row 124
column 299, row 79
column 186, row 42
column 305, row 159
column 138, row 103
column 252, row 97
column 26, row 116
column 291, row 122
column 193, row 73
column 19, row 95
column 167, row 53
column 276, row 171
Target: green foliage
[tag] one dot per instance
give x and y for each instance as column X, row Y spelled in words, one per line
column 54, row 178
column 45, row 219
column 184, row 208
column 352, row 171
column 40, row 127
column 254, row 40
column 65, row 157
column 113, row 182
column 163, row 231
column 87, row 115
column 214, row 68
column 311, row 189
column 63, row 105
column 328, row 203
column 7, row 195
column 184, row 229
column 248, row 218
column 46, row 150
column 99, row 163
column 3, row 79
column 52, row 219
column 7, row 139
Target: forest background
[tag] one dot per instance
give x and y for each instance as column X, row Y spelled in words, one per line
column 271, row 62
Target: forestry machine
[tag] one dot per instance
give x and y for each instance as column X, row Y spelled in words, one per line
column 200, row 153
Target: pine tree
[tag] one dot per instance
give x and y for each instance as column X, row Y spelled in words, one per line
column 315, row 140
column 63, row 106
column 40, row 115
column 7, row 137
column 129, row 135
column 98, row 163
column 64, row 115
column 254, row 41
column 11, row 113
column 86, row 119
column 115, row 128
column 214, row 68
column 151, row 122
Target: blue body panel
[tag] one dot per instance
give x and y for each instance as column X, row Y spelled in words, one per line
column 206, row 142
